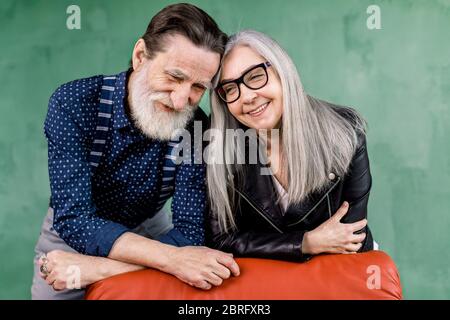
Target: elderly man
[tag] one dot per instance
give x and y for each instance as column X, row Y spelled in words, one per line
column 111, row 165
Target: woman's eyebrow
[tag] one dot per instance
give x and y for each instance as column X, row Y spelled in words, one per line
column 252, row 66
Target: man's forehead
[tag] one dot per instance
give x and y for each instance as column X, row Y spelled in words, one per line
column 192, row 69
column 183, row 55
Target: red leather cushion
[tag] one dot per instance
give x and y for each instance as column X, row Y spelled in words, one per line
column 323, row 277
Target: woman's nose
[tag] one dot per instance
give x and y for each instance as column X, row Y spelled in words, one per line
column 248, row 95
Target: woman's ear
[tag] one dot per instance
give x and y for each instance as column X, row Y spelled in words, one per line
column 139, row 54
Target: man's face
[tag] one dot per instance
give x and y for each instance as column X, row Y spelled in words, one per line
column 164, row 91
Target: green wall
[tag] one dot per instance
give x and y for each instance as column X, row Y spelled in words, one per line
column 398, row 77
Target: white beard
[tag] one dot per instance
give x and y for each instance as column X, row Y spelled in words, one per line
column 153, row 122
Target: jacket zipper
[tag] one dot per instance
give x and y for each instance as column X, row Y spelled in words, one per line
column 317, row 204
column 257, row 210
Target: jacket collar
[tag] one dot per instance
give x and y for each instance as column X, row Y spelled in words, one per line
column 259, row 188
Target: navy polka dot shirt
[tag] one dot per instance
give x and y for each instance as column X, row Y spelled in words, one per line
column 92, row 211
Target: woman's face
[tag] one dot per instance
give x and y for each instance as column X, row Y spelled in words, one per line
column 257, row 109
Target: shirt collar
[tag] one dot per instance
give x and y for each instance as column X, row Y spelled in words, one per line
column 120, row 118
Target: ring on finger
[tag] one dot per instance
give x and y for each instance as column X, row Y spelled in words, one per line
column 44, row 269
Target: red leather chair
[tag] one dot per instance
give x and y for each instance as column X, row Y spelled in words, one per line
column 369, row 275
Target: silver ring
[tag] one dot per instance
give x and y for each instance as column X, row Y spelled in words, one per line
column 43, row 268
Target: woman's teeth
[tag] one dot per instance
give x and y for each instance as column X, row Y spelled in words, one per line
column 259, row 110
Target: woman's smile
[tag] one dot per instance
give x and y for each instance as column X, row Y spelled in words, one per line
column 259, row 110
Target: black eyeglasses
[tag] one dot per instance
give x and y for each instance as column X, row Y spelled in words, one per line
column 254, row 78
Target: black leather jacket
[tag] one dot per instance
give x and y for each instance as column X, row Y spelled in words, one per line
column 264, row 232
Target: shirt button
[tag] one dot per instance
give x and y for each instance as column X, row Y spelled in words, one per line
column 331, row 176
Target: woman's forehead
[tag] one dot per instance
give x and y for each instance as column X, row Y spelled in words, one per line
column 239, row 59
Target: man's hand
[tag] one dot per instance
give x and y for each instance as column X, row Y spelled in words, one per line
column 201, row 267
column 67, row 270
column 332, row 236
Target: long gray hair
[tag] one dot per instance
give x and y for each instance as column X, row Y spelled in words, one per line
column 316, row 139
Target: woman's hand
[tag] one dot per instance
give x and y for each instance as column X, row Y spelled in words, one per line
column 332, row 236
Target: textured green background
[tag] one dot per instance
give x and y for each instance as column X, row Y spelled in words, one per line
column 398, row 77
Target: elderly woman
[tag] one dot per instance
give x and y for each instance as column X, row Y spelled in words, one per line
column 308, row 192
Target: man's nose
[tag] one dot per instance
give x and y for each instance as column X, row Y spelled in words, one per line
column 180, row 97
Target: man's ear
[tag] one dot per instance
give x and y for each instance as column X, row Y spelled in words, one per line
column 139, row 54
